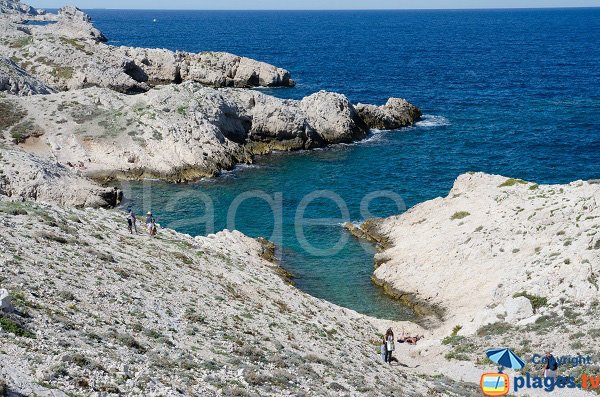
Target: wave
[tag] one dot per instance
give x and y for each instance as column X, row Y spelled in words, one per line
column 232, row 172
column 432, row 121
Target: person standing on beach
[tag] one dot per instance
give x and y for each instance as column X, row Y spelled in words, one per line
column 388, row 340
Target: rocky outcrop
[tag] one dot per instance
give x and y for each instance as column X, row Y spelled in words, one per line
column 72, row 23
column 16, row 81
column 179, row 132
column 18, row 8
column 396, row 113
column 496, row 237
column 70, row 54
column 26, row 177
column 333, row 117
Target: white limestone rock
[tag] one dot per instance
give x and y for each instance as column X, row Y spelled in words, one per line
column 517, row 309
column 181, row 132
column 16, row 81
column 5, row 301
column 396, row 113
column 26, row 176
column 493, row 237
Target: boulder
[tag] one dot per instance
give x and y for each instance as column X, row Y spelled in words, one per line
column 517, row 309
column 5, row 301
column 333, row 117
column 396, row 113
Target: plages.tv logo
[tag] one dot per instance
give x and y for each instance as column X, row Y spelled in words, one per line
column 498, row 384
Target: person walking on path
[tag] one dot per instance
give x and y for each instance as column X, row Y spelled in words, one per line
column 388, row 340
column 131, row 220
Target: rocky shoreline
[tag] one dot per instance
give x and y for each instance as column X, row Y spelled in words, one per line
column 88, row 309
column 496, row 235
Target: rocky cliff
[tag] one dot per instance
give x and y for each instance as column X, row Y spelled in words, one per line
column 16, row 81
column 14, row 7
column 25, row 176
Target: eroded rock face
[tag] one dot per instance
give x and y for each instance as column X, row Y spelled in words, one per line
column 396, row 113
column 25, row 176
column 180, row 132
column 70, row 54
column 16, row 81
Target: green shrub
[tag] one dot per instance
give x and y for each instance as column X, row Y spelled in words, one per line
column 536, row 301
column 24, row 130
column 459, row 215
column 494, row 329
column 512, row 182
column 11, row 114
column 13, row 327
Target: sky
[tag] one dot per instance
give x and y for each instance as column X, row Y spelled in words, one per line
column 311, row 4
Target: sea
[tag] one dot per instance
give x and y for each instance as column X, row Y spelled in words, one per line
column 510, row 92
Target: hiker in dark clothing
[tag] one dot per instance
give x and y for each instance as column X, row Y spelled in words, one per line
column 131, row 220
column 551, row 366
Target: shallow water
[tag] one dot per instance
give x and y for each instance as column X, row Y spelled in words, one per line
column 508, row 92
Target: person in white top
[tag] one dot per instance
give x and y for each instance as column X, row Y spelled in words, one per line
column 388, row 341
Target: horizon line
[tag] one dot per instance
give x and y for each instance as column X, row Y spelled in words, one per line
column 339, row 9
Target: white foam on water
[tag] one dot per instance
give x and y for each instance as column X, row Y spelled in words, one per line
column 237, row 168
column 432, row 121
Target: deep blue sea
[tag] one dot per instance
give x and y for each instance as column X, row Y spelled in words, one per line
column 512, row 92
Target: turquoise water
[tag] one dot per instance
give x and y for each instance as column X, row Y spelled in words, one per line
column 508, row 92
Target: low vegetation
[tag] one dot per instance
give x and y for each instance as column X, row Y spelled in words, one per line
column 459, row 215
column 512, row 182
column 536, row 301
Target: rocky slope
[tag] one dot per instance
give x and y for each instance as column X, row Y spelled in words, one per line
column 16, row 81
column 175, row 132
column 69, row 54
column 26, row 176
column 493, row 250
column 99, row 312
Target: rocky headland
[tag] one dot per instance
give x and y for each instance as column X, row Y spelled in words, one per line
column 69, row 53
column 173, row 132
column 68, row 100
